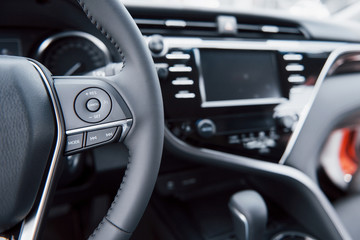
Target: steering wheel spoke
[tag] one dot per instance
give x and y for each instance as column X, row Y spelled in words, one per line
column 94, row 112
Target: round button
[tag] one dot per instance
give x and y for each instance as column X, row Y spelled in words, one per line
column 162, row 73
column 93, row 105
column 156, row 44
column 206, row 128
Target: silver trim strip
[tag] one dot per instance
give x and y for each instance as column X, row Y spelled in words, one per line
column 332, row 59
column 125, row 129
column 245, row 102
column 50, row 40
column 100, row 126
column 31, row 224
column 286, row 46
column 244, row 220
column 201, row 77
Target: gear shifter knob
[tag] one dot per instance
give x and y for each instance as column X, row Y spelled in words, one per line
column 249, row 214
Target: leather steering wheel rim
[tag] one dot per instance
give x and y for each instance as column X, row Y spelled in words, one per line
column 139, row 86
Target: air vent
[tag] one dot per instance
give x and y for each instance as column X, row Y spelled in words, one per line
column 176, row 24
column 270, row 29
column 209, row 28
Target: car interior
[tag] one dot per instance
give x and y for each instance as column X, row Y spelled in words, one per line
column 179, row 120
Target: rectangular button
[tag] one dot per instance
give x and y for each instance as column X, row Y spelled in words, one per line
column 100, row 136
column 293, row 57
column 185, row 95
column 180, row 68
column 183, row 81
column 296, row 78
column 294, row 68
column 74, row 142
column 178, row 56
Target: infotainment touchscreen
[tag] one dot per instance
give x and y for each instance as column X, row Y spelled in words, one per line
column 238, row 77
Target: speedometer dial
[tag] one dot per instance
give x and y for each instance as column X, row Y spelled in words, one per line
column 73, row 53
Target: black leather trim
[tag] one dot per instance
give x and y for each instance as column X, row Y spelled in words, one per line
column 138, row 85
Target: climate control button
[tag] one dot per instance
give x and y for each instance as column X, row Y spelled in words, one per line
column 206, row 128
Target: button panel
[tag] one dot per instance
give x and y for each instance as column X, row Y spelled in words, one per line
column 99, row 136
column 93, row 105
column 88, row 139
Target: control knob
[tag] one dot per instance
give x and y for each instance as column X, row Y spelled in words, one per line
column 156, row 44
column 206, row 128
column 162, row 72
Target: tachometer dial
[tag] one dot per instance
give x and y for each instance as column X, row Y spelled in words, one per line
column 73, row 53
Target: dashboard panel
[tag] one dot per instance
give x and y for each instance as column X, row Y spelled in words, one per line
column 234, row 82
column 237, row 96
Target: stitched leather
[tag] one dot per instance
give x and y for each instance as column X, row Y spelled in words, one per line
column 103, row 31
column 139, row 86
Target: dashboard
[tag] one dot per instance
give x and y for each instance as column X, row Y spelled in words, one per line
column 234, row 82
column 238, row 96
column 231, row 82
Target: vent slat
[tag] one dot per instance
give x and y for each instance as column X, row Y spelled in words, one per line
column 210, row 28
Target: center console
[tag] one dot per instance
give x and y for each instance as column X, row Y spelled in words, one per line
column 241, row 97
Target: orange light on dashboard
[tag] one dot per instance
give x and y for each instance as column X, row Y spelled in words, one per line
column 347, row 154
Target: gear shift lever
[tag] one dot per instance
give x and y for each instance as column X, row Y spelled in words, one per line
column 249, row 214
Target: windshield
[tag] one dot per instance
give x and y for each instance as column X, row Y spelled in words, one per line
column 308, row 8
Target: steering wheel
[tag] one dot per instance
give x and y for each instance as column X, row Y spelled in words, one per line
column 43, row 117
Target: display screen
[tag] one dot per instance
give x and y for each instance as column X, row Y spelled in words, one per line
column 230, row 75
